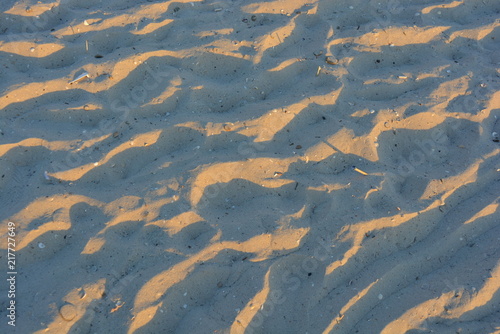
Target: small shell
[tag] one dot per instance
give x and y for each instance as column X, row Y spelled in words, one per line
column 318, row 71
column 82, row 293
column 67, row 312
column 79, row 78
column 331, row 60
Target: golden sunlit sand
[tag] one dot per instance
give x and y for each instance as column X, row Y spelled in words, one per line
column 244, row 167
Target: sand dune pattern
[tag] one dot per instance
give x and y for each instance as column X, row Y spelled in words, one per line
column 251, row 167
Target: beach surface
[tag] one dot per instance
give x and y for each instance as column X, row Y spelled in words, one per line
column 240, row 167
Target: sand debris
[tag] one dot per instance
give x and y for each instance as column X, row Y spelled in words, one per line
column 79, row 78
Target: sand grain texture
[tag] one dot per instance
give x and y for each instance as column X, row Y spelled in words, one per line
column 201, row 180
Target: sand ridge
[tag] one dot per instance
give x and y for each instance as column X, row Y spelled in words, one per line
column 251, row 167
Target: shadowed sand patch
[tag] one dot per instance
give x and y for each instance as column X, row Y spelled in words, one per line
column 157, row 288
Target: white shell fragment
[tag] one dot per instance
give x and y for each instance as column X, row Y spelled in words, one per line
column 331, row 60
column 495, row 137
column 79, row 78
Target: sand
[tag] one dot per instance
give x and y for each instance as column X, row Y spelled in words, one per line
column 324, row 166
